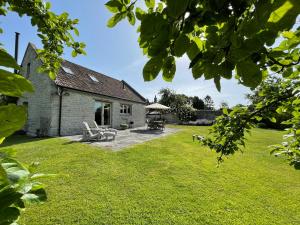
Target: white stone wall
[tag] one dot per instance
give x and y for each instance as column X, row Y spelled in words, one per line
column 79, row 106
column 39, row 102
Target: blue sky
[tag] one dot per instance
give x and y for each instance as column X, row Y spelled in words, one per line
column 115, row 52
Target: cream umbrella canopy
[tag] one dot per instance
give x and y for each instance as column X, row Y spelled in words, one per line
column 157, row 106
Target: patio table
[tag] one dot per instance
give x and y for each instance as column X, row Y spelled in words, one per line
column 156, row 125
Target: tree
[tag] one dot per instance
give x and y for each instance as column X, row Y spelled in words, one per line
column 197, row 103
column 228, row 132
column 271, row 118
column 178, row 104
column 222, row 37
column 208, row 103
column 224, row 105
column 147, row 101
column 18, row 182
column 167, row 96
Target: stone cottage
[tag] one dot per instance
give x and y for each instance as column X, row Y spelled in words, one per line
column 58, row 107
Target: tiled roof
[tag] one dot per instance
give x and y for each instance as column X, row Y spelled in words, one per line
column 80, row 78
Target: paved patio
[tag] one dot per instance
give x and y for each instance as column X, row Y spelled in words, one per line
column 129, row 137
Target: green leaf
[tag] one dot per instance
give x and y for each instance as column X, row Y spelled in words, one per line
column 279, row 13
column 177, row 8
column 42, row 175
column 13, row 84
column 159, row 43
column 160, row 7
column 198, row 68
column 195, row 49
column 284, row 16
column 114, row 6
column 115, row 19
column 181, row 45
column 287, row 72
column 152, row 68
column 3, row 177
column 225, row 111
column 151, row 25
column 16, row 172
column 7, row 60
column 8, row 196
column 217, row 83
column 76, row 32
column 37, row 196
column 169, row 69
column 258, row 118
column 250, row 73
column 12, row 118
column 74, row 53
column 150, row 3
column 139, row 13
column 131, row 18
column 9, row 215
column 48, row 5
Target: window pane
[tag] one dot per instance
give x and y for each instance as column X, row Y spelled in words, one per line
column 98, row 113
column 28, row 70
column 106, row 114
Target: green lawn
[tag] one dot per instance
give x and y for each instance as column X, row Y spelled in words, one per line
column 171, row 180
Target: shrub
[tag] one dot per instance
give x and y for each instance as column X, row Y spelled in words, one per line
column 124, row 126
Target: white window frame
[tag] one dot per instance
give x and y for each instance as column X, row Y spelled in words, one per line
column 125, row 109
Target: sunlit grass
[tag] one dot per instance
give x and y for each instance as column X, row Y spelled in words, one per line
column 171, row 180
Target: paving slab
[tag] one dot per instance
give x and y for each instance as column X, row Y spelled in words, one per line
column 127, row 138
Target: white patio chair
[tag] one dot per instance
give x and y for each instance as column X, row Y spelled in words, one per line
column 88, row 135
column 105, row 129
column 107, row 134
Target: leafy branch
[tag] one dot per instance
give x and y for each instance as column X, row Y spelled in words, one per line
column 18, row 182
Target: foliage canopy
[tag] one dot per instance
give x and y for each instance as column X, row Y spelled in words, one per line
column 220, row 37
column 226, row 38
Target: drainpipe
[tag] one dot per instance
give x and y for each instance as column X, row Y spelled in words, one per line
column 16, row 49
column 60, row 94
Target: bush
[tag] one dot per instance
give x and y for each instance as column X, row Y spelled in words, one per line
column 201, row 122
column 124, row 126
column 185, row 113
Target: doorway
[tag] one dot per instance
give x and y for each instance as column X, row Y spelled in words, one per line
column 103, row 113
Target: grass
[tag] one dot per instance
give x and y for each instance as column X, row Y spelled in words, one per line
column 171, row 180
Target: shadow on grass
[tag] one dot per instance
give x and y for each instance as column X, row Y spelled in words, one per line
column 71, row 142
column 87, row 142
column 21, row 139
column 143, row 131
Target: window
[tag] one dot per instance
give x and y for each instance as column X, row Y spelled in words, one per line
column 28, row 70
column 67, row 70
column 125, row 109
column 93, row 78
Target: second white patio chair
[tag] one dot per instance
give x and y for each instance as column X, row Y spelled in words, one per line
column 105, row 129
